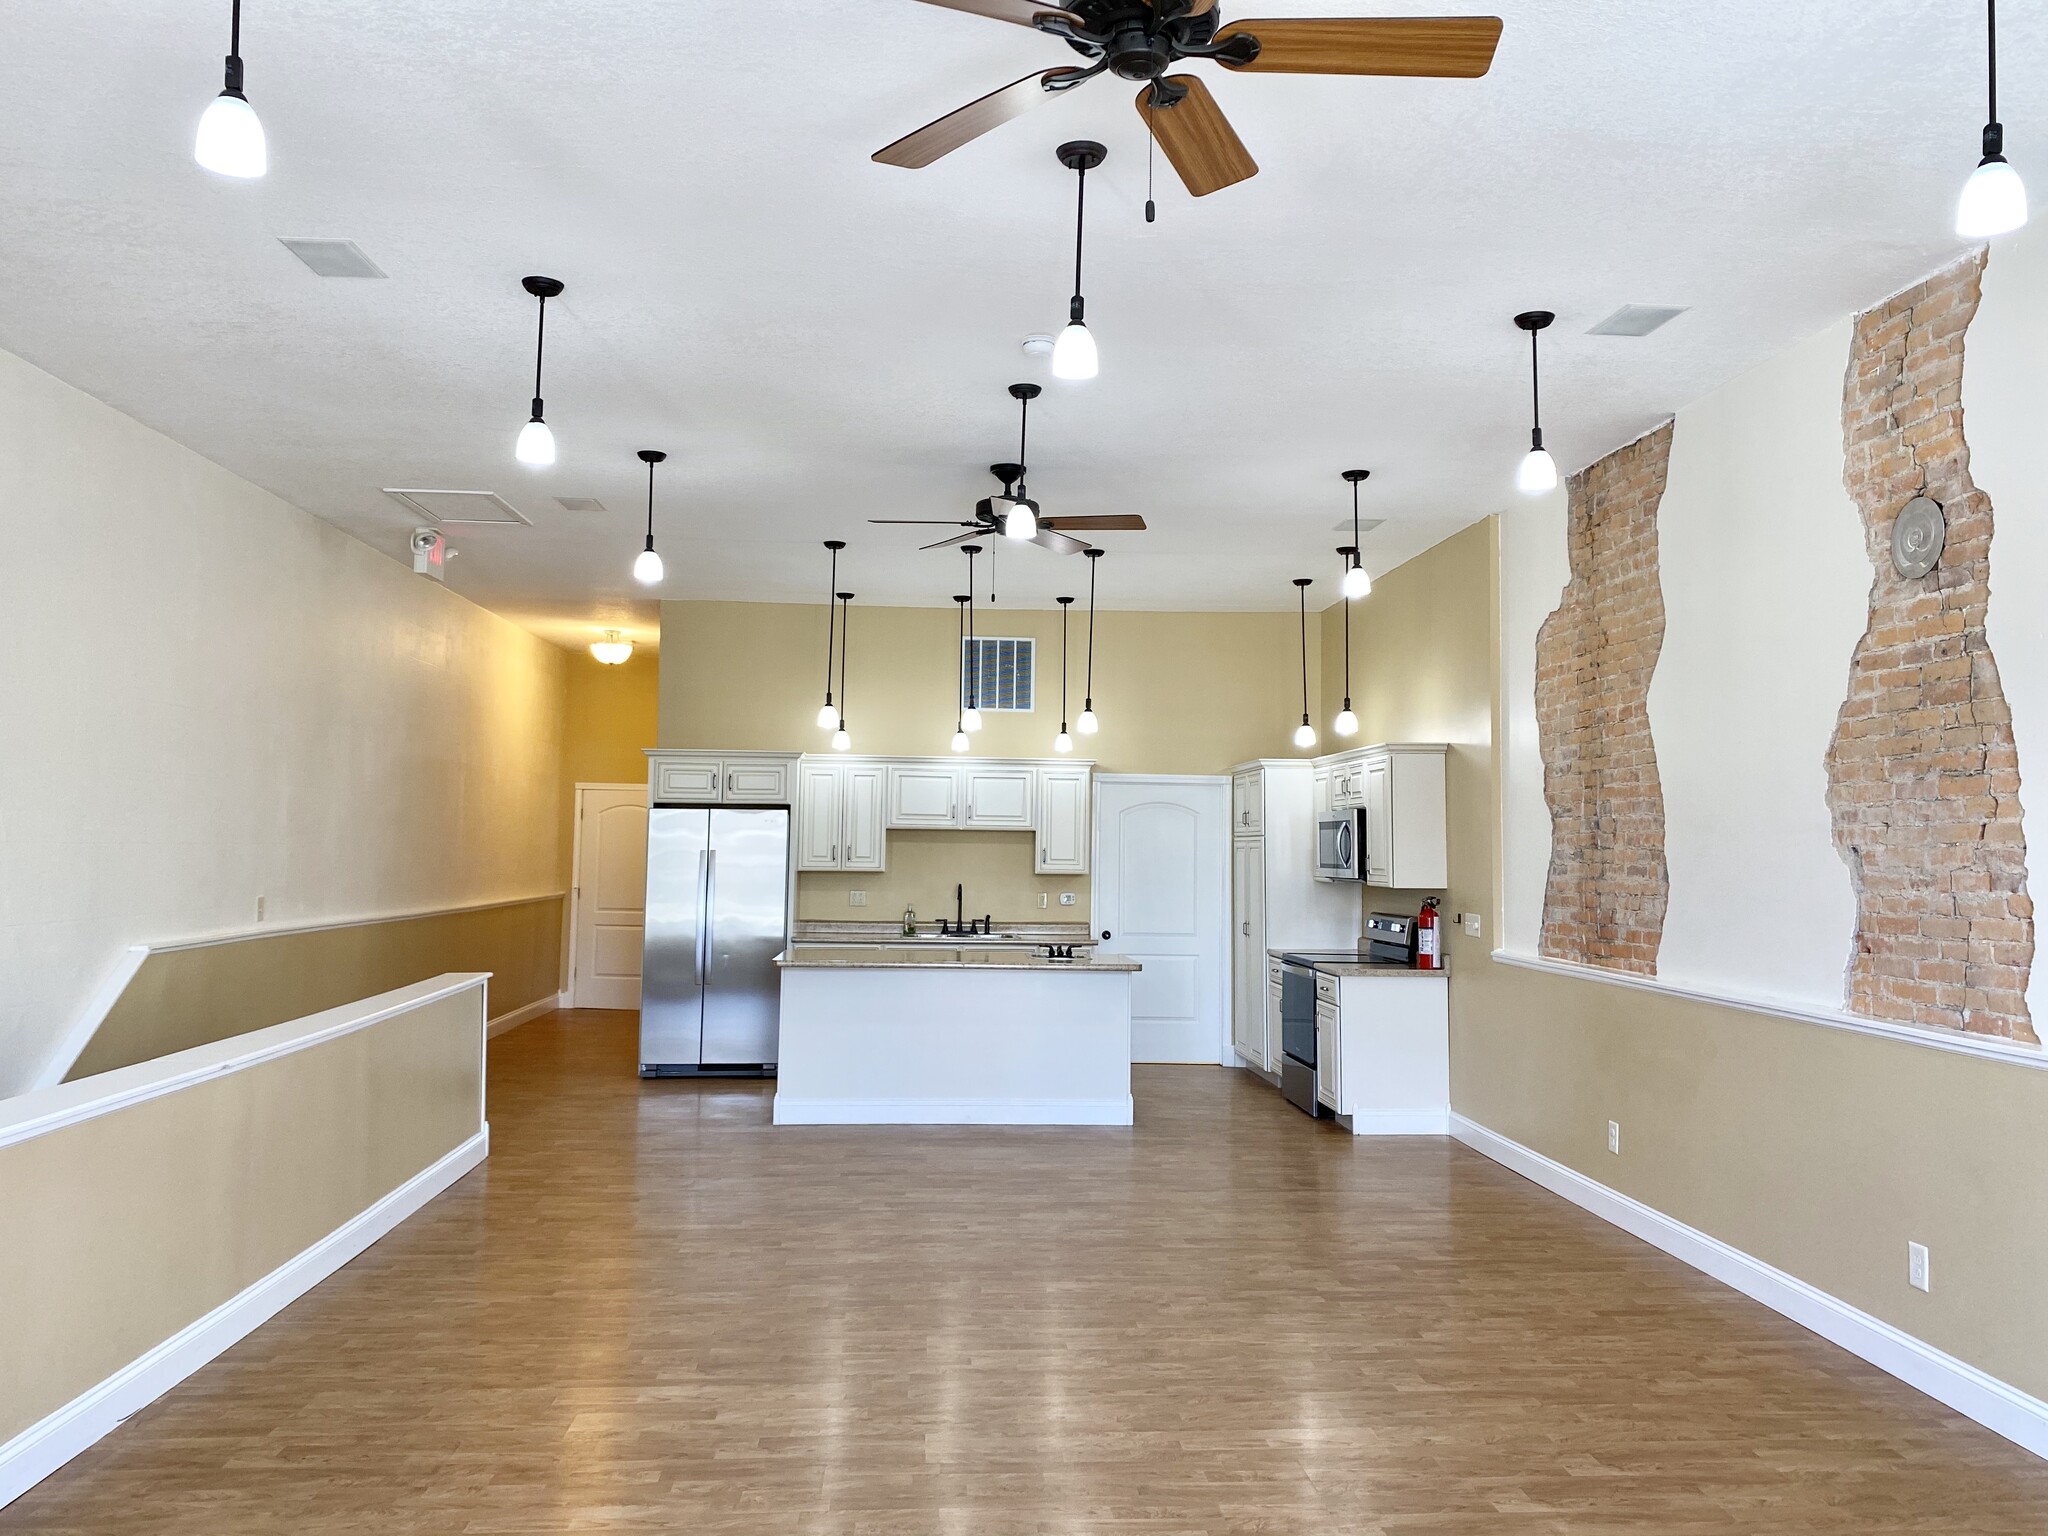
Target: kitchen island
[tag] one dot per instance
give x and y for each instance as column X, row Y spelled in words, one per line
column 929, row 1034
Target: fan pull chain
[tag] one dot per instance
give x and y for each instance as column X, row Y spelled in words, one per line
column 1151, row 142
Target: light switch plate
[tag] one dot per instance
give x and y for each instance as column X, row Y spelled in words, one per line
column 1066, row 898
column 1471, row 925
column 1916, row 1266
column 856, row 898
column 1614, row 1137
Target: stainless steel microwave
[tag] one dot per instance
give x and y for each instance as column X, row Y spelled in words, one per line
column 1340, row 845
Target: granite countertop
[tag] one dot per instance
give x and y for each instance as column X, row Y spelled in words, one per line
column 890, row 931
column 924, row 956
column 1361, row 967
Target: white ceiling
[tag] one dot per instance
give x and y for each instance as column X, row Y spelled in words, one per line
column 816, row 339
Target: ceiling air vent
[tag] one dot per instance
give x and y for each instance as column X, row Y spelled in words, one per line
column 1636, row 320
column 579, row 503
column 458, row 506
column 1365, row 525
column 331, row 258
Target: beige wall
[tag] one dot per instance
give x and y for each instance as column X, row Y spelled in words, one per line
column 1819, row 1150
column 180, row 998
column 995, row 867
column 1176, row 692
column 198, row 1193
column 211, row 697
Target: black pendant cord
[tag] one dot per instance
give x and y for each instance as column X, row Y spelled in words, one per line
column 960, row 672
column 831, row 619
column 1088, row 698
column 974, row 677
column 1347, row 638
column 1023, row 437
column 845, row 613
column 1076, row 308
column 1535, row 395
column 1065, row 604
column 1301, row 585
column 234, row 70
column 540, row 345
column 1994, row 131
column 650, row 503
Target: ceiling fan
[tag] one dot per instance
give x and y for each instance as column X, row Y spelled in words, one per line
column 1143, row 39
column 1014, row 514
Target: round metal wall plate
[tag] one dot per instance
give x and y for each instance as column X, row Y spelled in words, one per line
column 1918, row 533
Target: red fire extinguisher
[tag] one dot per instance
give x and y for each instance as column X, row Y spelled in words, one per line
column 1428, row 939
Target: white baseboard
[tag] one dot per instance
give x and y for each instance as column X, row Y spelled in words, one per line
column 1400, row 1122
column 789, row 1111
column 53, row 1440
column 2000, row 1407
column 518, row 1016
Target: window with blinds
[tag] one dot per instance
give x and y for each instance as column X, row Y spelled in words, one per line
column 996, row 673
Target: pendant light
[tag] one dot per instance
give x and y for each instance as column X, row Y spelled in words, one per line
column 1304, row 733
column 1346, row 723
column 828, row 717
column 1994, row 200
column 960, row 681
column 613, row 650
column 1087, row 724
column 1021, row 521
column 647, row 564
column 842, row 742
column 230, row 140
column 1538, row 474
column 970, row 717
column 1073, row 352
column 536, row 445
column 1357, row 581
column 1063, row 742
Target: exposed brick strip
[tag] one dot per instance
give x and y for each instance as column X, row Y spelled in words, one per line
column 1603, row 903
column 1923, row 777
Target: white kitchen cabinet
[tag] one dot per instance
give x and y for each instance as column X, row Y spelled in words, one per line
column 1347, row 786
column 1063, row 821
column 998, row 798
column 1326, row 790
column 924, row 795
column 1247, row 803
column 687, row 779
column 754, row 781
column 1249, row 967
column 1401, row 790
column 721, row 778
column 1383, row 1052
column 839, row 816
column 1329, row 1056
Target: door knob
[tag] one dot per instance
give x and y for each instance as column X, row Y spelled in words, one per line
column 1105, row 933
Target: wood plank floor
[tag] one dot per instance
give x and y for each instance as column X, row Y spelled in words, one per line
column 650, row 1311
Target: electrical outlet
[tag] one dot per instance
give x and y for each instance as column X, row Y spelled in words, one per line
column 856, row 898
column 261, row 903
column 1066, row 898
column 1916, row 1266
column 1614, row 1137
column 1471, row 925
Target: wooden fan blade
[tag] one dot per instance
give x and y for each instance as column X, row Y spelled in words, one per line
column 1022, row 12
column 943, row 135
column 958, row 538
column 1197, row 137
column 1114, row 522
column 1456, row 47
column 1058, row 543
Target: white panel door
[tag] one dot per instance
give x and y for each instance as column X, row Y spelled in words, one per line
column 1162, row 897
column 1063, row 821
column 860, row 816
column 611, row 895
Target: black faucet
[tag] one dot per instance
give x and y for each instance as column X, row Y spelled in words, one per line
column 960, row 927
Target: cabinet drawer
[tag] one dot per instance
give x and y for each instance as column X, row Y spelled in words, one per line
column 756, row 783
column 1326, row 991
column 686, row 781
column 1273, row 970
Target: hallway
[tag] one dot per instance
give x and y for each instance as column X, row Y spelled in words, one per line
column 649, row 1311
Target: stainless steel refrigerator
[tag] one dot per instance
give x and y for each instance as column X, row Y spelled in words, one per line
column 717, row 915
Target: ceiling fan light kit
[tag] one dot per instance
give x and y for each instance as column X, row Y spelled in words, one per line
column 647, row 568
column 1537, row 475
column 1994, row 199
column 230, row 139
column 828, row 716
column 535, row 447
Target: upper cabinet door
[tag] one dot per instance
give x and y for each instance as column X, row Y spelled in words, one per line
column 819, row 792
column 863, row 845
column 1063, row 821
column 922, row 795
column 692, row 781
column 1380, row 835
column 751, row 783
column 1247, row 803
column 1000, row 799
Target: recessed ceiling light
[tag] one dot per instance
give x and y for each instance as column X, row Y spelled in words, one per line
column 579, row 503
column 459, row 506
column 331, row 258
column 1637, row 320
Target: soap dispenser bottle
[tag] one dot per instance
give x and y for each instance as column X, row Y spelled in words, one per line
column 909, row 923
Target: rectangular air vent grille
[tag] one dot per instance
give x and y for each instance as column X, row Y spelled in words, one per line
column 579, row 503
column 331, row 258
column 1636, row 320
column 1003, row 668
column 458, row 506
column 1365, row 525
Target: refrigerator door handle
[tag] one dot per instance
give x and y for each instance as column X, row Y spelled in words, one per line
column 703, row 918
column 710, row 896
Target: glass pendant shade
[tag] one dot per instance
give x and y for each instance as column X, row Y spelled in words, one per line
column 1538, row 474
column 1020, row 522
column 647, row 569
column 1087, row 725
column 1994, row 201
column 1063, row 742
column 613, row 650
column 1073, row 353
column 970, row 719
column 1347, row 722
column 1357, row 583
column 841, row 742
column 536, row 445
column 959, row 740
column 230, row 140
column 1304, row 735
column 828, row 718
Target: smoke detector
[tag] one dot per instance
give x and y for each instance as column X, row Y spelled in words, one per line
column 459, row 506
column 1038, row 345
